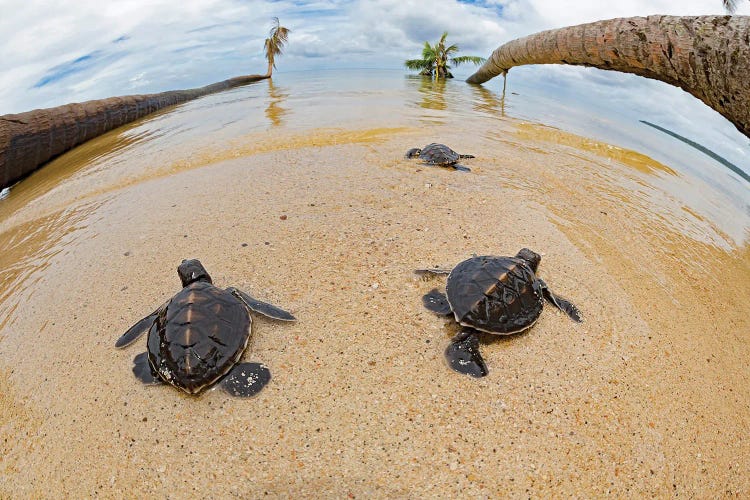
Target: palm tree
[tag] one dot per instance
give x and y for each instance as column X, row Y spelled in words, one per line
column 435, row 59
column 711, row 67
column 274, row 44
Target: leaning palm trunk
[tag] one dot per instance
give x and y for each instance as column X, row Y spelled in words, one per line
column 707, row 56
column 29, row 140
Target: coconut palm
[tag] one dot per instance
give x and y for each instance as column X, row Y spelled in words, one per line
column 436, row 58
column 274, row 44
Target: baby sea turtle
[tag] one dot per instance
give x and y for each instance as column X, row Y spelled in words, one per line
column 197, row 337
column 440, row 155
column 498, row 295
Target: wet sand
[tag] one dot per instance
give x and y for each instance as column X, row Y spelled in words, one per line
column 649, row 396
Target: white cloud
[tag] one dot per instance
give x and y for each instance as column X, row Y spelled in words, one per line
column 170, row 44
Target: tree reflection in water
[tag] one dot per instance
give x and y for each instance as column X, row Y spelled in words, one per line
column 274, row 111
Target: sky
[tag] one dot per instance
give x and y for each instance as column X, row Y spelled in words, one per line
column 60, row 51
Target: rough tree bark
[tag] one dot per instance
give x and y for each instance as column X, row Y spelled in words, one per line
column 29, row 140
column 707, row 56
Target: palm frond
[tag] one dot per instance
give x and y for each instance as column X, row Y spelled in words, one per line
column 274, row 45
column 730, row 5
column 417, row 64
column 468, row 59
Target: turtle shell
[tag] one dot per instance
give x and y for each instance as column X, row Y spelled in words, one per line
column 499, row 295
column 439, row 154
column 198, row 337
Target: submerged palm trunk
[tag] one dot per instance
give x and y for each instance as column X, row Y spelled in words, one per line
column 707, row 56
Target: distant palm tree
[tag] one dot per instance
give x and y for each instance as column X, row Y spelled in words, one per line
column 436, row 58
column 274, row 44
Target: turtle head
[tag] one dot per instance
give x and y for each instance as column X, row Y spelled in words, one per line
column 531, row 257
column 191, row 270
column 413, row 153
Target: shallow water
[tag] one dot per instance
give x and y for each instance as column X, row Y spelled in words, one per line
column 297, row 191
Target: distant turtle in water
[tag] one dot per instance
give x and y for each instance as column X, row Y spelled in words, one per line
column 498, row 295
column 440, row 155
column 197, row 337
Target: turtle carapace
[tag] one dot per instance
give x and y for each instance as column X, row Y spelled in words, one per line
column 497, row 295
column 197, row 337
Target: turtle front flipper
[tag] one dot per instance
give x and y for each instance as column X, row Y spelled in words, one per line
column 246, row 379
column 135, row 331
column 463, row 354
column 143, row 372
column 461, row 168
column 561, row 303
column 437, row 302
column 261, row 307
column 466, row 156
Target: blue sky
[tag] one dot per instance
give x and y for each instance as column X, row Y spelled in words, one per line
column 55, row 52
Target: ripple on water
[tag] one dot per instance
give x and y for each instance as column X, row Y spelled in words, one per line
column 653, row 192
column 29, row 248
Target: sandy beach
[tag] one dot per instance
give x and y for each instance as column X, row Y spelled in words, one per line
column 650, row 396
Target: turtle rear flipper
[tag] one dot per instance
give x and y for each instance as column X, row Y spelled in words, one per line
column 561, row 303
column 461, row 168
column 432, row 271
column 466, row 156
column 261, row 307
column 143, row 372
column 135, row 331
column 246, row 379
column 463, row 354
column 437, row 302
